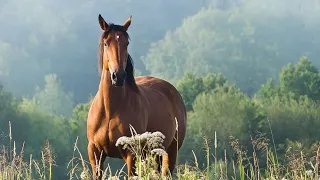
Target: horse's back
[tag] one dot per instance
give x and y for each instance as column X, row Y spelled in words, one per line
column 159, row 92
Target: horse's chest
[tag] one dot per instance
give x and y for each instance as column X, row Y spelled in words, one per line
column 106, row 142
column 121, row 127
column 107, row 136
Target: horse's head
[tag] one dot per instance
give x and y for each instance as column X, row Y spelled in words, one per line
column 114, row 50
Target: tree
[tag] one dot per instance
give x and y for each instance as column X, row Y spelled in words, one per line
column 78, row 124
column 290, row 119
column 228, row 112
column 190, row 86
column 301, row 79
column 295, row 80
column 44, row 36
column 247, row 44
column 268, row 90
column 291, row 105
column 52, row 99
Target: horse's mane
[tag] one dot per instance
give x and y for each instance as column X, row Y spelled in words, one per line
column 129, row 68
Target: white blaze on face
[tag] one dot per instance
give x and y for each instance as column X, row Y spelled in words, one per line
column 117, row 39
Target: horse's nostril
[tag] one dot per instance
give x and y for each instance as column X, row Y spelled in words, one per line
column 114, row 76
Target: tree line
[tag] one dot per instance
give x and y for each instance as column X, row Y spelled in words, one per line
column 288, row 106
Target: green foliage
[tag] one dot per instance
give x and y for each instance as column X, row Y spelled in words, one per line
column 288, row 110
column 225, row 110
column 30, row 124
column 301, row 79
column 295, row 81
column 190, row 86
column 44, row 36
column 78, row 124
column 6, row 107
column 214, row 106
column 269, row 90
column 247, row 44
column 52, row 99
column 295, row 120
column 9, row 112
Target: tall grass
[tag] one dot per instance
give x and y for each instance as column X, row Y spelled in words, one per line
column 13, row 166
column 244, row 166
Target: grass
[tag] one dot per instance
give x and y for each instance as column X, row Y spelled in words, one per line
column 297, row 165
column 13, row 167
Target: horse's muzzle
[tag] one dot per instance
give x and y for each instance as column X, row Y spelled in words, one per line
column 118, row 77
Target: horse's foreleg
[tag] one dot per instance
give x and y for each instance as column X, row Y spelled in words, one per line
column 130, row 161
column 96, row 160
column 165, row 165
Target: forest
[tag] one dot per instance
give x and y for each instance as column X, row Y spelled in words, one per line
column 248, row 72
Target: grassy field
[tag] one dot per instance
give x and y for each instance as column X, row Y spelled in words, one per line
column 245, row 166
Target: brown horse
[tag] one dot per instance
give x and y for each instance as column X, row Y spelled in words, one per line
column 147, row 103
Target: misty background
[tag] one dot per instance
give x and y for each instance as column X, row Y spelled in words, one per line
column 247, row 43
column 40, row 37
column 48, row 52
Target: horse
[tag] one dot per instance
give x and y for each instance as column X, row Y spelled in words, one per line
column 122, row 100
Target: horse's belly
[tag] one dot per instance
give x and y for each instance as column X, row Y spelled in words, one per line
column 165, row 124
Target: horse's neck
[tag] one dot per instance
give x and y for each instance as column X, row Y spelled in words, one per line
column 113, row 97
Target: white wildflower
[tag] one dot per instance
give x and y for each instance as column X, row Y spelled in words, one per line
column 158, row 134
column 309, row 173
column 147, row 140
column 146, row 135
column 84, row 175
column 142, row 138
column 121, row 141
column 113, row 178
column 159, row 152
column 134, row 178
column 125, row 140
column 156, row 140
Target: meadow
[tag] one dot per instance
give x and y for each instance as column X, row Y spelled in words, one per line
column 248, row 72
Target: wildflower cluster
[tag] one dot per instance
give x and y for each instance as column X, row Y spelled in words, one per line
column 144, row 146
column 148, row 140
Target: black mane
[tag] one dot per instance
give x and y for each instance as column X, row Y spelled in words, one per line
column 130, row 73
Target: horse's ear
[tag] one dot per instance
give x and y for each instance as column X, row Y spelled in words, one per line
column 127, row 23
column 103, row 23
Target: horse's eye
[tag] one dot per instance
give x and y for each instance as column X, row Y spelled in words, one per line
column 128, row 44
column 106, row 44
